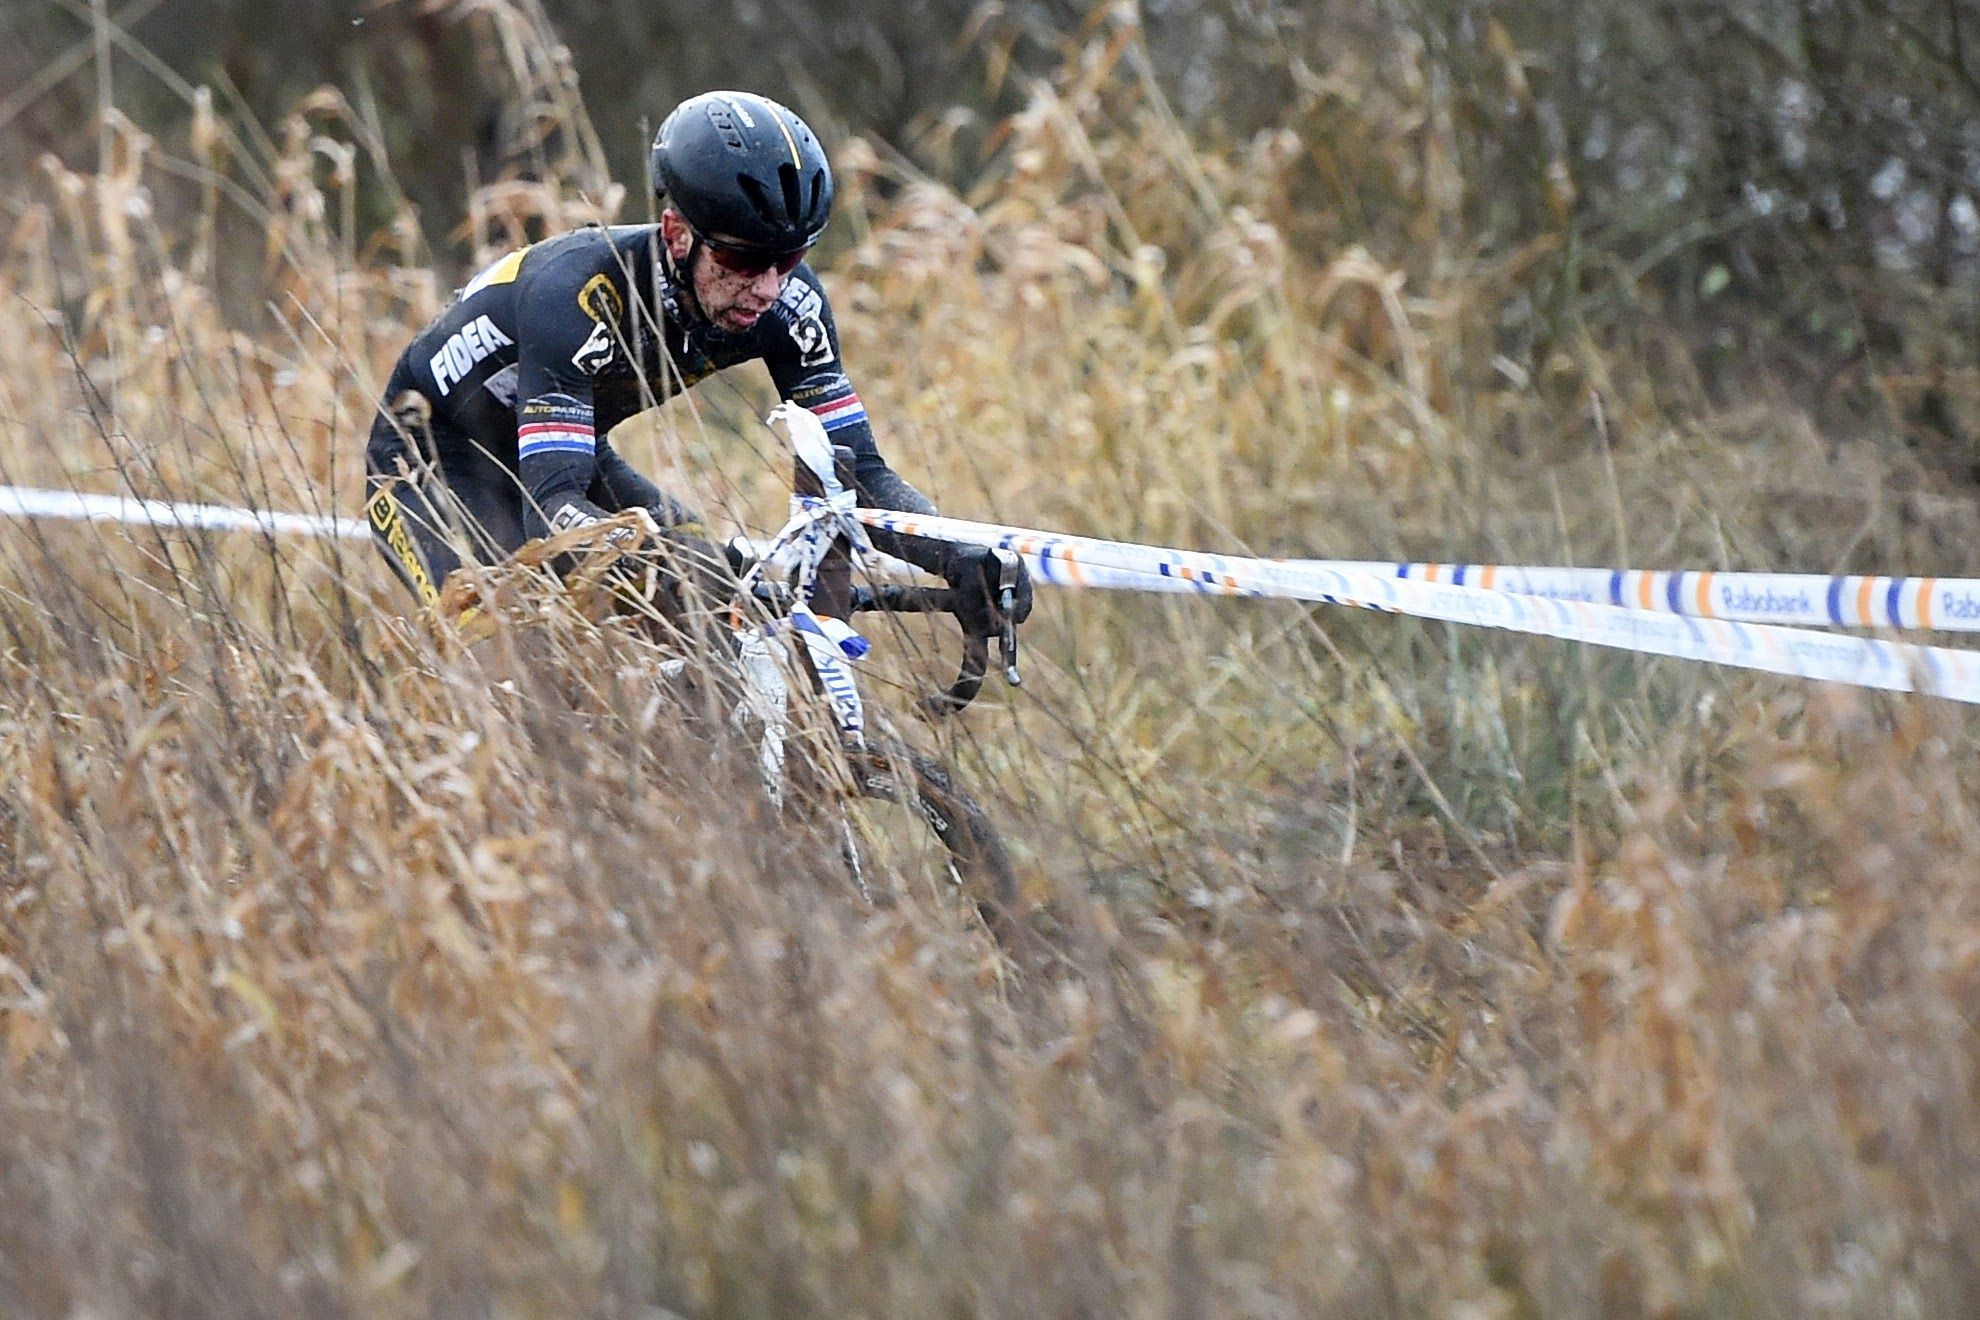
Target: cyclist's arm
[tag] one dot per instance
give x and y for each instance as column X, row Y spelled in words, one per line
column 556, row 457
column 562, row 346
column 802, row 351
column 618, row 485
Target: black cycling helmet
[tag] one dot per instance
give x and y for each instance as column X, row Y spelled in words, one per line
column 743, row 170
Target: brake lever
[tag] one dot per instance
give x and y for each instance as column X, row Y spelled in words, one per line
column 1008, row 568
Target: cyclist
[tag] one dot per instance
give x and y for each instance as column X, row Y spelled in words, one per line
column 495, row 422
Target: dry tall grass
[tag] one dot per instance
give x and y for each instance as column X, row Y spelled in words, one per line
column 1400, row 969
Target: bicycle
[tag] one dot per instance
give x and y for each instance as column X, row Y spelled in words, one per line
column 818, row 600
column 800, row 588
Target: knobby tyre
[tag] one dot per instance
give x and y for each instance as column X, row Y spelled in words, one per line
column 975, row 849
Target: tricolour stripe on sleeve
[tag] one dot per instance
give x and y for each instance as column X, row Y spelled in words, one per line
column 841, row 412
column 555, row 438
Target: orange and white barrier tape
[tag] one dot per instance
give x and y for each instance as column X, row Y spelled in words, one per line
column 1770, row 648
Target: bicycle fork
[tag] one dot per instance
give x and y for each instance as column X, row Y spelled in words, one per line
column 767, row 701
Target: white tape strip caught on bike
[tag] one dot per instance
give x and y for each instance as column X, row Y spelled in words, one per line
column 1769, row 648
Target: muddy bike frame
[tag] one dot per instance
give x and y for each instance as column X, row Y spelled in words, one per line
column 816, row 548
column 804, row 580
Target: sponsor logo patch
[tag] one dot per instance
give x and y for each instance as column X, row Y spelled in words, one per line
column 555, row 423
column 383, row 512
column 844, row 694
column 723, row 114
column 814, row 390
column 599, row 299
column 464, row 351
column 814, row 345
column 802, row 309
column 572, row 516
column 799, row 300
column 595, row 353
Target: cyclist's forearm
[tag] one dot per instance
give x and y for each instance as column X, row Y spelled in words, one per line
column 556, row 489
column 618, row 486
column 557, row 460
column 830, row 395
column 885, row 488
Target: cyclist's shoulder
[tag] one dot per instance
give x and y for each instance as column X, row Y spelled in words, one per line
column 569, row 284
column 616, row 251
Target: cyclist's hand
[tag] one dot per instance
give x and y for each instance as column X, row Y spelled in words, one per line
column 636, row 570
column 674, row 573
column 973, row 573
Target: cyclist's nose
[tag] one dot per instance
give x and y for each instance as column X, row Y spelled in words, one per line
column 767, row 286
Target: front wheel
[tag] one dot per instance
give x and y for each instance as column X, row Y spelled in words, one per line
column 977, row 856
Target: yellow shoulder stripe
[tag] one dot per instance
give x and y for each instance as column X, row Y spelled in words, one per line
column 502, row 272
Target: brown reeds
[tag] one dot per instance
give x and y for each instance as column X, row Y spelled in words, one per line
column 344, row 970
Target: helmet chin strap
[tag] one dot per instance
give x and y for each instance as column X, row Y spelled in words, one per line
column 681, row 275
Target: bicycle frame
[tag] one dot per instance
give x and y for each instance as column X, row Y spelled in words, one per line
column 817, row 544
column 816, row 547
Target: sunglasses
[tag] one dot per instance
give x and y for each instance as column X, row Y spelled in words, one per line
column 750, row 261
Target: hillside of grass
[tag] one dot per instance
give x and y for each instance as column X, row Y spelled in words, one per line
column 1392, row 967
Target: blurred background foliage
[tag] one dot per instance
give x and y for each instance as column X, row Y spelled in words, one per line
column 1792, row 184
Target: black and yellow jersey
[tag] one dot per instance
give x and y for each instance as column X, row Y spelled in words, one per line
column 540, row 355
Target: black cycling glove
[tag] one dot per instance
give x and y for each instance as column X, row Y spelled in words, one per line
column 972, row 571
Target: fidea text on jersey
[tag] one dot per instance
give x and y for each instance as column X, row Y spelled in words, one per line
column 464, row 351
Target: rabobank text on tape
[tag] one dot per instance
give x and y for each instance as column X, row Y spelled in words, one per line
column 1769, row 648
column 1844, row 601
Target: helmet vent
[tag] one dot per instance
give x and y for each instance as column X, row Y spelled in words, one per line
column 817, row 192
column 793, row 204
column 725, row 126
column 759, row 198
